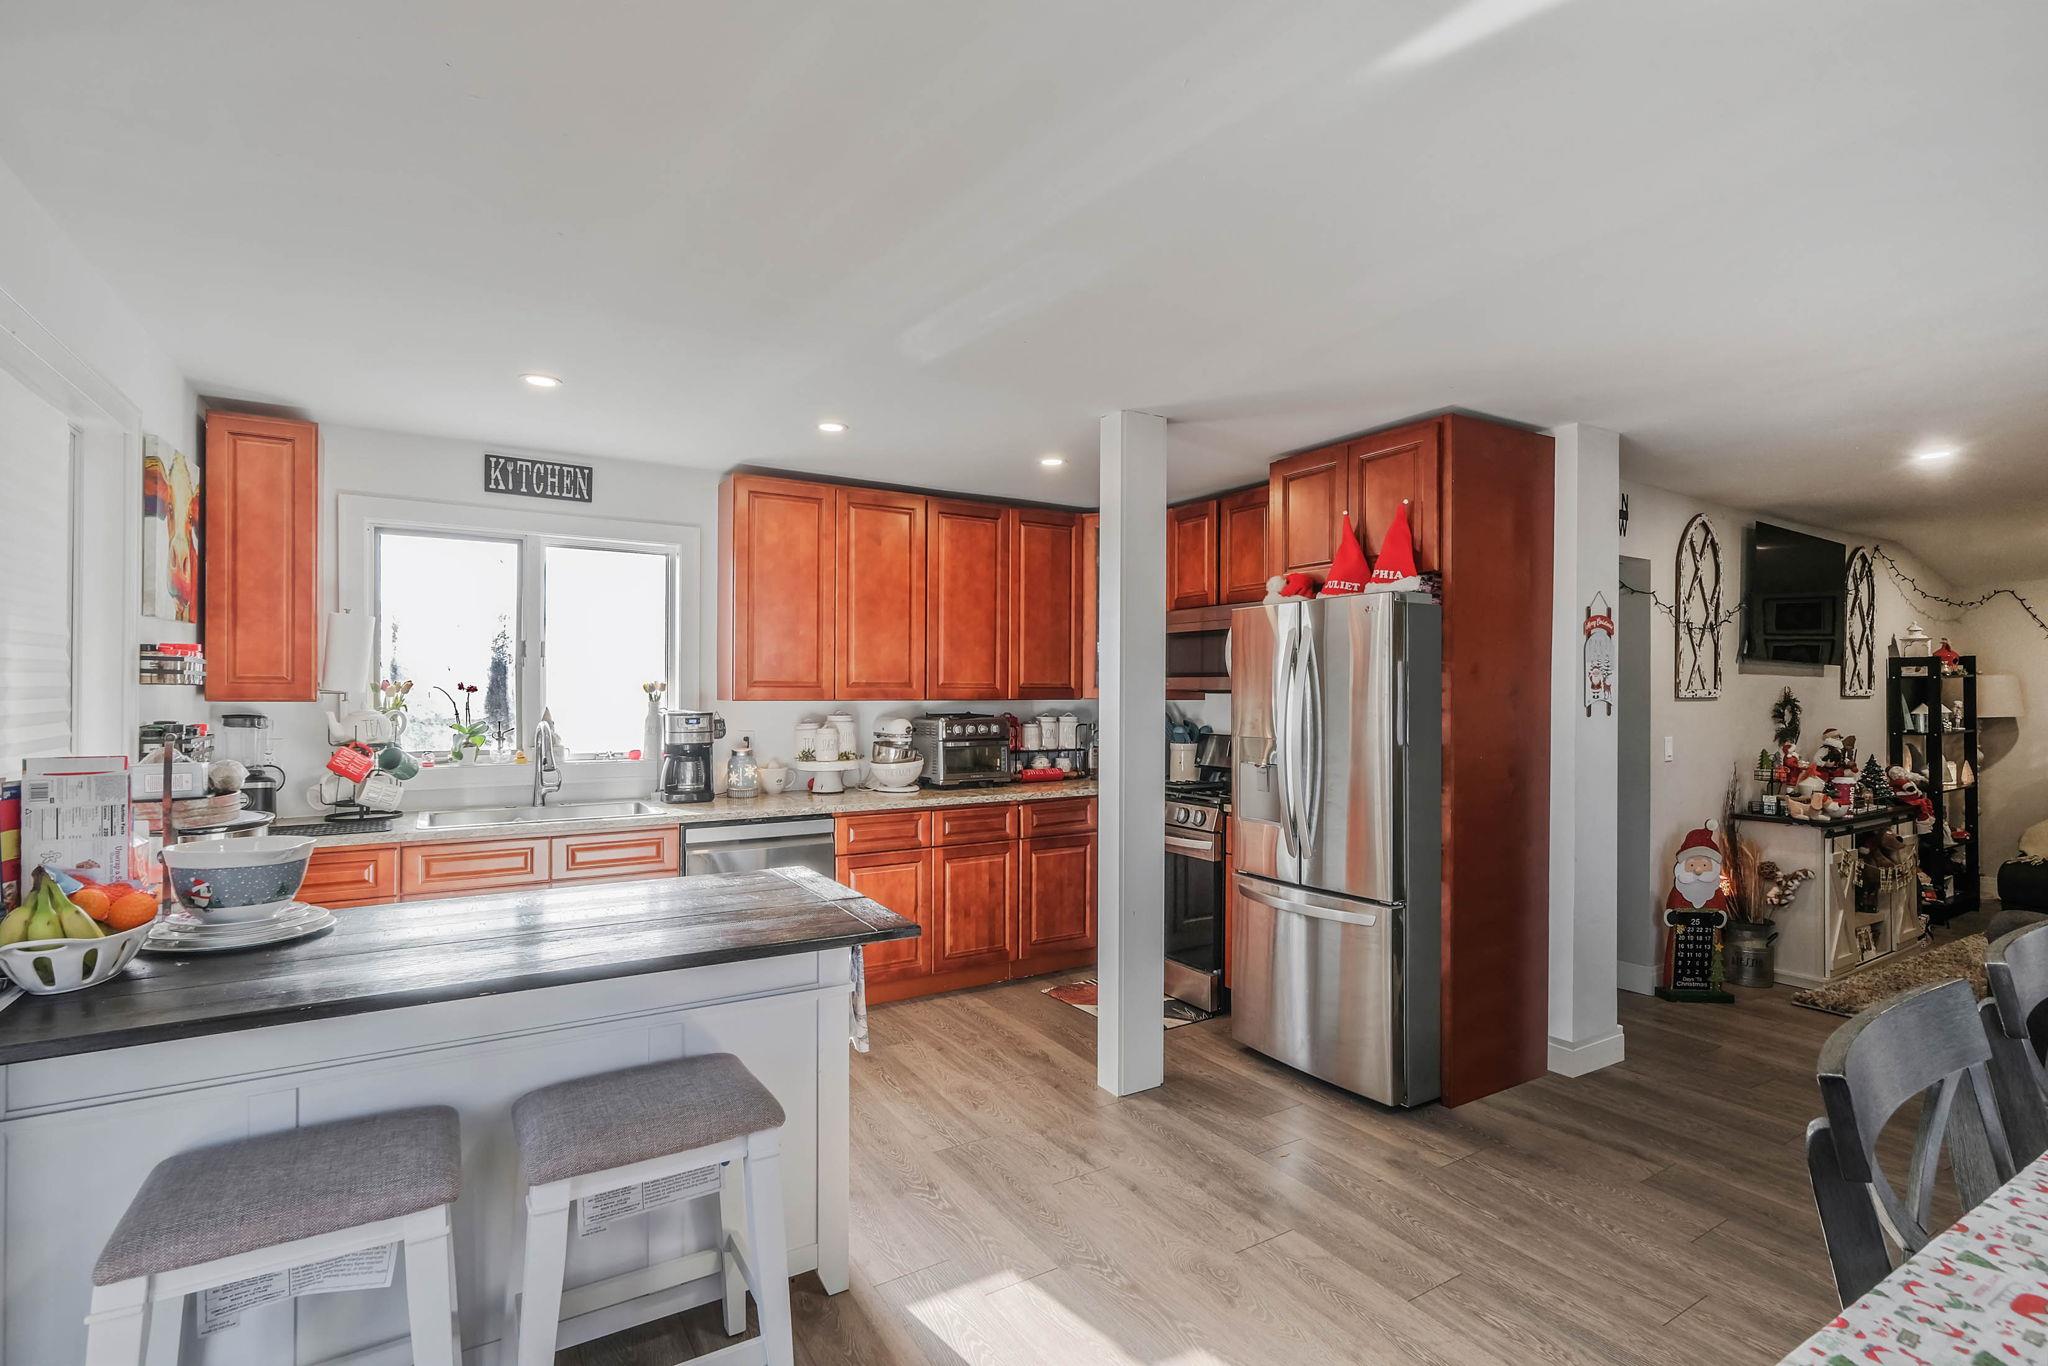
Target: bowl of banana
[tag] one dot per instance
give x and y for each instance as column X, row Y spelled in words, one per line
column 49, row 945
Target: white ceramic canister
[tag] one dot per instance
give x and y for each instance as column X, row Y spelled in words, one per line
column 1070, row 731
column 807, row 737
column 848, row 732
column 1033, row 735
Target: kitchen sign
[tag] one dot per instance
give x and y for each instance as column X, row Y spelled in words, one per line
column 536, row 478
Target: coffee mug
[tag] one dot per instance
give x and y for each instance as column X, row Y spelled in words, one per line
column 381, row 791
column 398, row 763
column 331, row 790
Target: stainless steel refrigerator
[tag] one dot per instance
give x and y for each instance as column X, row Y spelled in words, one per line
column 1336, row 950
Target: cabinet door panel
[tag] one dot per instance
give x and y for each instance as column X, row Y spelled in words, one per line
column 262, row 490
column 901, row 881
column 776, row 569
column 352, row 875
column 1057, row 895
column 1305, row 512
column 618, row 853
column 446, row 869
column 1386, row 469
column 967, row 601
column 1091, row 607
column 1045, row 638
column 881, row 596
column 975, row 895
column 1241, row 571
column 1191, row 555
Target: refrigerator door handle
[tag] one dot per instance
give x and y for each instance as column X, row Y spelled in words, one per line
column 1282, row 700
column 1300, row 902
column 1312, row 768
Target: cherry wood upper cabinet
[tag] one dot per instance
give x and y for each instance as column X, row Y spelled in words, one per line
column 881, row 598
column 1241, row 571
column 262, row 577
column 1091, row 604
column 1387, row 468
column 975, row 899
column 776, row 570
column 1191, row 539
column 1305, row 512
column 1056, row 896
column 967, row 601
column 1045, row 612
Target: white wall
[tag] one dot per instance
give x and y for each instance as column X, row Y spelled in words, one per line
column 1712, row 740
column 2014, row 774
column 449, row 473
column 66, row 333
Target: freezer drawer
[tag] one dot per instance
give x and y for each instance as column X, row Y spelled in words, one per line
column 1317, row 983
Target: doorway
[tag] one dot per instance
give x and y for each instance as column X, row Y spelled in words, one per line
column 1636, row 940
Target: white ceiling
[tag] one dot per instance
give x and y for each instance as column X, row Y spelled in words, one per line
column 1778, row 246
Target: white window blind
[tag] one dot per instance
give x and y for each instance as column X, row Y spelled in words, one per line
column 37, row 513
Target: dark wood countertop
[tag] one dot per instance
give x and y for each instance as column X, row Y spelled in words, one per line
column 418, row 953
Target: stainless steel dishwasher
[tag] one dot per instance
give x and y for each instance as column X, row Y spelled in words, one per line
column 748, row 848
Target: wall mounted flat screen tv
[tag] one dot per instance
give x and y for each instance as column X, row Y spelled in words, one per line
column 1793, row 587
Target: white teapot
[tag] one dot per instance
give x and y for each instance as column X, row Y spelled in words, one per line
column 369, row 727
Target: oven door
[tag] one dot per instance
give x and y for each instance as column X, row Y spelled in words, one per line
column 1195, row 888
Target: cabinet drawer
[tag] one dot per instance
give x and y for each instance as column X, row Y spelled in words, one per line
column 430, row 870
column 1063, row 816
column 355, row 875
column 618, row 853
column 880, row 831
column 973, row 824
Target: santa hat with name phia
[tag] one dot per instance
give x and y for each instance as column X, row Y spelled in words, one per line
column 1394, row 570
column 1349, row 569
column 1700, row 841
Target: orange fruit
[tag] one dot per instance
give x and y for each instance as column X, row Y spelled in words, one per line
column 116, row 890
column 93, row 902
column 136, row 908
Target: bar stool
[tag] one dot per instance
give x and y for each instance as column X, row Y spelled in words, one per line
column 261, row 1205
column 595, row 1134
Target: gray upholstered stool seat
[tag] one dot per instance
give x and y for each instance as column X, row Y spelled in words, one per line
column 277, row 1188
column 615, row 1119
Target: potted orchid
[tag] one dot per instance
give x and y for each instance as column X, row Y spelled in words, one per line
column 470, row 733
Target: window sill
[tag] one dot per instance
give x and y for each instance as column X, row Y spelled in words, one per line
column 509, row 775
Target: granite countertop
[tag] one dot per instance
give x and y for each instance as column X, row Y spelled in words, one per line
column 723, row 811
column 387, row 957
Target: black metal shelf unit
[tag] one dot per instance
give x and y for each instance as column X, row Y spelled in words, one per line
column 1947, row 755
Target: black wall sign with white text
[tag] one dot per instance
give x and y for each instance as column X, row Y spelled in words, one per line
column 536, row 478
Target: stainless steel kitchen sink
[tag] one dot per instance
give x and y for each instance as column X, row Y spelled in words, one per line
column 527, row 815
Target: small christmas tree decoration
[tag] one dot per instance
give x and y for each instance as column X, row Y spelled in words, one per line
column 1873, row 780
column 1349, row 570
column 1764, row 763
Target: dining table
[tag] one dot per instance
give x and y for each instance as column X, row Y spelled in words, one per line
column 1976, row 1295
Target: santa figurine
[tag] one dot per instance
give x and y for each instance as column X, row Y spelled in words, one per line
column 1694, row 913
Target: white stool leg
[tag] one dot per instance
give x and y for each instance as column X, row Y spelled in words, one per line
column 547, row 1257
column 117, row 1329
column 508, row 1330
column 166, row 1331
column 732, row 1205
column 768, row 1245
column 430, row 1289
column 454, row 1304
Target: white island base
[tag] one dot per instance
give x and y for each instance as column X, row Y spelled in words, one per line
column 78, row 1134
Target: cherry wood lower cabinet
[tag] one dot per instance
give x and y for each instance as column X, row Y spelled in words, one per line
column 617, row 853
column 995, row 899
column 457, row 867
column 352, row 875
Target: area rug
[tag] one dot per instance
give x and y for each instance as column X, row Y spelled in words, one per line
column 1858, row 991
column 1080, row 994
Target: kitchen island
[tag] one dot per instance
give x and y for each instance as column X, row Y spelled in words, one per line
column 470, row 1002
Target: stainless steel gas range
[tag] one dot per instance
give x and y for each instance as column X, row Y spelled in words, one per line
column 1197, row 881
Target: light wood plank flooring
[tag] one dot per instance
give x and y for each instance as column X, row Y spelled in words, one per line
column 1007, row 1211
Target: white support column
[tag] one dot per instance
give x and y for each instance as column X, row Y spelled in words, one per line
column 1585, row 1033
column 1130, row 953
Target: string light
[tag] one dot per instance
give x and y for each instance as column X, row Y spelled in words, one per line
column 1907, row 581
column 1668, row 610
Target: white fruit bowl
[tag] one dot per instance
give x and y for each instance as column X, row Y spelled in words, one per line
column 67, row 960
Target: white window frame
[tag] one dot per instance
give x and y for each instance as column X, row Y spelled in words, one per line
column 363, row 516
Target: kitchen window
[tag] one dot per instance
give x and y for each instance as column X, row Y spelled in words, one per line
column 496, row 629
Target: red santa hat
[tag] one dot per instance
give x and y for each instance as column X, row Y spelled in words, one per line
column 1349, row 570
column 1700, row 841
column 1394, row 570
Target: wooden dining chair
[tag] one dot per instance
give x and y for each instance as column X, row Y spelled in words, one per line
column 2016, row 1022
column 1928, row 1042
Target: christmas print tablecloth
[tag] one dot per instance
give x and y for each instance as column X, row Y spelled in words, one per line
column 1975, row 1296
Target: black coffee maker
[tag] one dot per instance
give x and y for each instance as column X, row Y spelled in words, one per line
column 686, row 741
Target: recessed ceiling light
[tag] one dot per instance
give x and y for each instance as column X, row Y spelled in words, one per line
column 1052, row 461
column 1935, row 456
column 833, row 428
column 540, row 381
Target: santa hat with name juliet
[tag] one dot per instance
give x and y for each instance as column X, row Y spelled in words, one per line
column 1349, row 569
column 1700, row 842
column 1394, row 571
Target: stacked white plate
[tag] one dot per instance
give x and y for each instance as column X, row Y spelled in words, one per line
column 280, row 923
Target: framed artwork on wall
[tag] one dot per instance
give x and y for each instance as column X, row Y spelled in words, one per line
column 1697, row 616
column 170, row 532
column 1859, row 645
